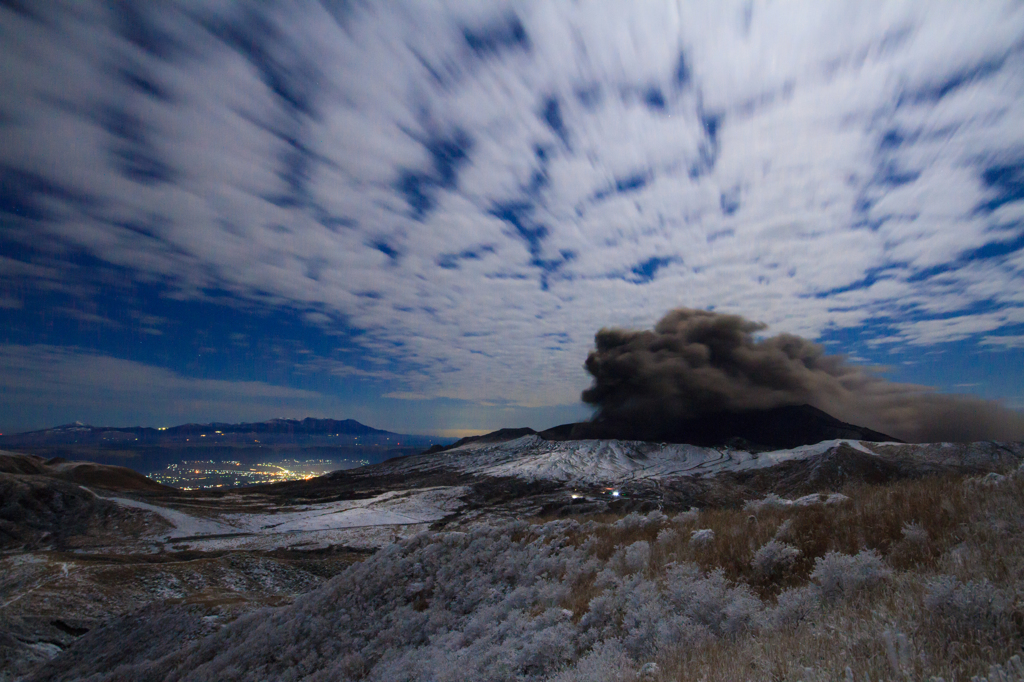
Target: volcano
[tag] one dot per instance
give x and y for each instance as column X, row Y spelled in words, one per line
column 780, row 427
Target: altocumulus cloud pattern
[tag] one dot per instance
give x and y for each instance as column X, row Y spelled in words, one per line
column 476, row 188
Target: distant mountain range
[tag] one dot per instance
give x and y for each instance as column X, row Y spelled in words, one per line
column 272, row 431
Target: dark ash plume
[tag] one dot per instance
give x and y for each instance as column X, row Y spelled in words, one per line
column 696, row 363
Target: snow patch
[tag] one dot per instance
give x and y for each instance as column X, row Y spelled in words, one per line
column 369, row 523
column 184, row 524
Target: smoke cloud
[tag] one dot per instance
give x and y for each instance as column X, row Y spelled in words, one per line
column 695, row 363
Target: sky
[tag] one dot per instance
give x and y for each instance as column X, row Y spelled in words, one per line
column 418, row 214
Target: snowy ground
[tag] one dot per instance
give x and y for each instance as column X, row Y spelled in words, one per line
column 366, row 523
column 608, row 461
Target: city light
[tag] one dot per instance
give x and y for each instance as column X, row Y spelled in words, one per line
column 207, row 474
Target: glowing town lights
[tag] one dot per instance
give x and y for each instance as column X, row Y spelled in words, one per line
column 615, row 493
column 575, row 496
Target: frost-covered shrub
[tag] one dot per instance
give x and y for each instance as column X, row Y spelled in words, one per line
column 770, row 501
column 656, row 518
column 687, row 516
column 667, row 536
column 840, row 575
column 631, row 521
column 686, row 607
column 481, row 606
column 794, row 605
column 987, row 481
column 643, row 611
column 636, row 521
column 606, row 662
column 702, row 536
column 785, row 530
column 636, row 557
column 649, row 671
column 742, row 613
column 966, row 606
column 558, row 527
column 773, row 501
column 899, row 651
column 774, row 557
column 1012, row 672
column 705, row 605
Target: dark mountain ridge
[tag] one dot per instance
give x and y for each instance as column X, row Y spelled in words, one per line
column 307, row 426
column 780, row 427
column 104, row 476
column 498, row 436
column 277, row 430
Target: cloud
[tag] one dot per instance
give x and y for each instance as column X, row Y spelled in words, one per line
column 405, row 395
column 696, row 363
column 1007, row 341
column 46, row 385
column 476, row 188
column 460, row 433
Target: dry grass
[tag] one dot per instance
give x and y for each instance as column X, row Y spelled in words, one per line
column 885, row 635
column 949, row 510
column 923, row 528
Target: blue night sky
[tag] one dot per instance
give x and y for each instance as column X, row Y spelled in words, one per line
column 417, row 214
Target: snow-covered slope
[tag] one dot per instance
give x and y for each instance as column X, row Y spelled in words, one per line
column 616, row 462
column 602, row 461
column 369, row 522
